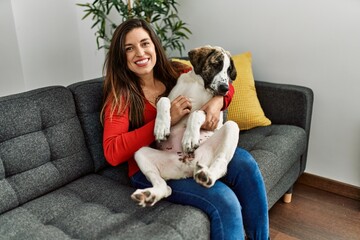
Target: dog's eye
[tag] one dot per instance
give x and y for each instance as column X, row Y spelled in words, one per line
column 217, row 65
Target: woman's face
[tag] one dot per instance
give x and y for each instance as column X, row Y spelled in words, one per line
column 140, row 52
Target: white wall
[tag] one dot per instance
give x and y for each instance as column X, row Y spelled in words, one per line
column 48, row 44
column 92, row 59
column 315, row 43
column 310, row 42
column 11, row 79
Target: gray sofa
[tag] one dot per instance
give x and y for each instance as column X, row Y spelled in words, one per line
column 55, row 183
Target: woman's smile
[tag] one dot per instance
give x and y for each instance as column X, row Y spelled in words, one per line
column 140, row 52
column 142, row 62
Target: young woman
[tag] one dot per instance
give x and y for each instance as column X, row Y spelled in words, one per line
column 137, row 74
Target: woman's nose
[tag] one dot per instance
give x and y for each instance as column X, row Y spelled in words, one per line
column 139, row 51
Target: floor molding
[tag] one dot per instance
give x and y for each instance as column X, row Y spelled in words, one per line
column 330, row 185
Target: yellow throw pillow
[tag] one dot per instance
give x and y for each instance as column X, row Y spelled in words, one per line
column 187, row 62
column 245, row 108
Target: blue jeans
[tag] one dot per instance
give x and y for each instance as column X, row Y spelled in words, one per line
column 235, row 203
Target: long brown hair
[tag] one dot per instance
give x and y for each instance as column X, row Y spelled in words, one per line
column 122, row 88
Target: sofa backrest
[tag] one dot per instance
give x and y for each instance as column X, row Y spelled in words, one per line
column 42, row 145
column 88, row 98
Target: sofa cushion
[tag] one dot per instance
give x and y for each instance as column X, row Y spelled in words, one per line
column 245, row 108
column 96, row 207
column 88, row 99
column 276, row 149
column 42, row 146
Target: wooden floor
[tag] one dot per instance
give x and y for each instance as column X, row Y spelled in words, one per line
column 315, row 215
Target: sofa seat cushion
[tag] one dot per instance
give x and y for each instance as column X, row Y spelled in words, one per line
column 276, row 148
column 42, row 145
column 96, row 207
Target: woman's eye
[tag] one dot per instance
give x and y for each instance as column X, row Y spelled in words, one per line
column 145, row 44
column 128, row 49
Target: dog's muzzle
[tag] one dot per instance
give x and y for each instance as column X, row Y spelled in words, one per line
column 223, row 89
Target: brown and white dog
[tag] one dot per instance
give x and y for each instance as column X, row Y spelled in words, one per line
column 182, row 151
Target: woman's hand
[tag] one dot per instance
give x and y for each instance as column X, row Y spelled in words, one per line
column 180, row 107
column 212, row 109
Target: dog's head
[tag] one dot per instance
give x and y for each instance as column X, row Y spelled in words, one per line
column 215, row 66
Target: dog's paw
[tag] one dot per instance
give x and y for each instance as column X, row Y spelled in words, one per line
column 190, row 141
column 203, row 176
column 188, row 157
column 148, row 197
column 162, row 130
column 143, row 198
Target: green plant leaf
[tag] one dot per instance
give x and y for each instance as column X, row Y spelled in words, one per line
column 161, row 14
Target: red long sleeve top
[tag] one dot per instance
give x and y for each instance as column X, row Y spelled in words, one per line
column 120, row 144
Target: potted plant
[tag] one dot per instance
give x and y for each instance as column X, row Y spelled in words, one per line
column 161, row 14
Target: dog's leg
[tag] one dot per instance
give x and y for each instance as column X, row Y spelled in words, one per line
column 191, row 138
column 215, row 154
column 226, row 149
column 149, row 196
column 158, row 165
column 163, row 119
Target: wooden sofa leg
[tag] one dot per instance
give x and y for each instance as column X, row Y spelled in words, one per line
column 288, row 196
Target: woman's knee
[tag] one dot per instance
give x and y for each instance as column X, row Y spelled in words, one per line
column 217, row 200
column 224, row 198
column 243, row 161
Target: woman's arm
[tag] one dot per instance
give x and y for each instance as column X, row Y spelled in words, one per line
column 213, row 108
column 119, row 143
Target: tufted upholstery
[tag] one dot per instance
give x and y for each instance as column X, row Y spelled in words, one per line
column 55, row 183
column 95, row 207
column 276, row 149
column 288, row 105
column 41, row 145
column 88, row 99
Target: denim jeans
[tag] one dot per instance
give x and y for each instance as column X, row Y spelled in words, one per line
column 235, row 203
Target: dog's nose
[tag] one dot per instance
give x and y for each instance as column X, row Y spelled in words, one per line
column 223, row 88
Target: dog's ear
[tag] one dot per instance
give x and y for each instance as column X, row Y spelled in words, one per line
column 198, row 57
column 232, row 69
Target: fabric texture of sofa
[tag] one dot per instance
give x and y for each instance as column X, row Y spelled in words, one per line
column 56, row 184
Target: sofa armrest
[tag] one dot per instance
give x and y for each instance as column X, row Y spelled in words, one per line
column 287, row 104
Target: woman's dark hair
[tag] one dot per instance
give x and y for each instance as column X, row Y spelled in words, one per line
column 122, row 89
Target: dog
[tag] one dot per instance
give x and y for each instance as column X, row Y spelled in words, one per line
column 184, row 150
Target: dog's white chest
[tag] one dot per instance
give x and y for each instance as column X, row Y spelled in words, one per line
column 192, row 86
